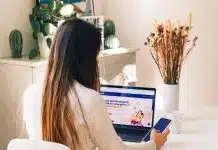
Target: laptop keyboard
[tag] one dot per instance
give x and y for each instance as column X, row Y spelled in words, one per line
column 131, row 138
column 131, row 135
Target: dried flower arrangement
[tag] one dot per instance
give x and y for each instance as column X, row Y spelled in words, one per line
column 168, row 47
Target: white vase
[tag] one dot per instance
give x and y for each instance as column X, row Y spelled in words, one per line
column 171, row 98
column 43, row 47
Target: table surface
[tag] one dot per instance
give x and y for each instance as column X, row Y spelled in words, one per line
column 197, row 132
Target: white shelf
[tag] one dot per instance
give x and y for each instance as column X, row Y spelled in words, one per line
column 24, row 61
column 118, row 51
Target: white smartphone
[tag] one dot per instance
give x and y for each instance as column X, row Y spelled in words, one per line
column 160, row 126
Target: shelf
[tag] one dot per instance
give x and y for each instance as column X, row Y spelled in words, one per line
column 24, row 61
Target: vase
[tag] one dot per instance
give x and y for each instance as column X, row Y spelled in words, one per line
column 43, row 46
column 171, row 97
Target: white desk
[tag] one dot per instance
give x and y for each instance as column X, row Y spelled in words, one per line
column 195, row 134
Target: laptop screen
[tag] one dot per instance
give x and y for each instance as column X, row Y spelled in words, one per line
column 130, row 106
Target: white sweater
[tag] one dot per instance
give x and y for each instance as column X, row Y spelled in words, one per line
column 94, row 125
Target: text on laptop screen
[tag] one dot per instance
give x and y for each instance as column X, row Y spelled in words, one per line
column 132, row 107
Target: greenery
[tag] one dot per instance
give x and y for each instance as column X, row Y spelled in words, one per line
column 16, row 43
column 45, row 18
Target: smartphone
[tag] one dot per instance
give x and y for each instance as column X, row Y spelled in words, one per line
column 160, row 126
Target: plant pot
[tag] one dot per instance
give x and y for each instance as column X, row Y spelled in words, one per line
column 43, row 46
column 171, row 98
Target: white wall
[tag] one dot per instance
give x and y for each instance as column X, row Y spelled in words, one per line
column 98, row 7
column 134, row 18
column 14, row 14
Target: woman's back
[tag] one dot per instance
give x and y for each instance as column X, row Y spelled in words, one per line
column 94, row 124
column 81, row 98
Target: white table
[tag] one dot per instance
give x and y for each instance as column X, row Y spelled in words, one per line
column 196, row 134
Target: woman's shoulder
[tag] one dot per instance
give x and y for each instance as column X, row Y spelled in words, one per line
column 86, row 96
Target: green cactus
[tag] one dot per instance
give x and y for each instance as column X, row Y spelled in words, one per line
column 16, row 43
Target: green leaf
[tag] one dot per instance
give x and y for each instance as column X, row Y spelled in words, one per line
column 49, row 42
column 35, row 36
column 59, row 5
column 35, row 26
column 52, row 5
column 42, row 26
column 31, row 18
column 74, row 15
column 46, row 17
column 33, row 53
column 35, row 10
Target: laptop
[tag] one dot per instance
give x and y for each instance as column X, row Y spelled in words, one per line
column 131, row 110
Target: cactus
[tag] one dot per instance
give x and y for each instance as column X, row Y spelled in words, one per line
column 16, row 43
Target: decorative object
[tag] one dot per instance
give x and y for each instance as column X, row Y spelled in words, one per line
column 109, row 28
column 16, row 43
column 44, row 21
column 171, row 97
column 170, row 46
column 111, row 42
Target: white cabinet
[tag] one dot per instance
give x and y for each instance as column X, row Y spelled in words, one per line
column 18, row 75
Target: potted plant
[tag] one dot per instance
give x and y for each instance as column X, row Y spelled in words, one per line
column 44, row 21
column 170, row 46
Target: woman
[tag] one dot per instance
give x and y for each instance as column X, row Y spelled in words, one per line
column 73, row 112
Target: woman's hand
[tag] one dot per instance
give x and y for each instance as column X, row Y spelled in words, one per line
column 159, row 138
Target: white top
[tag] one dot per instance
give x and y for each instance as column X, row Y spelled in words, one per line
column 93, row 122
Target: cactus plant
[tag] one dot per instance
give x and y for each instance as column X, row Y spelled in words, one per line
column 109, row 28
column 16, row 43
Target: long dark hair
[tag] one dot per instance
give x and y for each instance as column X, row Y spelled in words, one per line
column 73, row 57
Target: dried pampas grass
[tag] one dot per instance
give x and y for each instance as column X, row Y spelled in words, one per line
column 168, row 46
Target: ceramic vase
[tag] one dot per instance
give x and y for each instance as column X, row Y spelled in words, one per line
column 171, row 97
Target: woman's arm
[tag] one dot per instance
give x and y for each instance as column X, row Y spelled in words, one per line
column 102, row 131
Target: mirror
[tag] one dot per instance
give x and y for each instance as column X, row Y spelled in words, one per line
column 84, row 6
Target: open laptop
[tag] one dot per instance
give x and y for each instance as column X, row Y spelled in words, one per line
column 131, row 110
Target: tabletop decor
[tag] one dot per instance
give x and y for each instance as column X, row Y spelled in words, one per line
column 169, row 45
column 16, row 43
column 111, row 41
column 44, row 21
